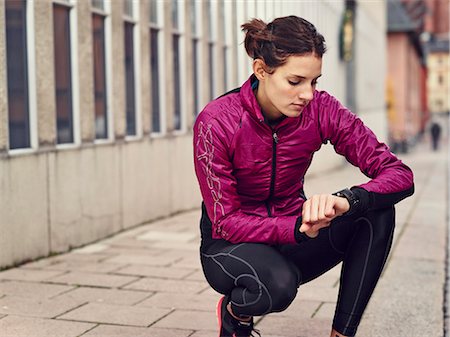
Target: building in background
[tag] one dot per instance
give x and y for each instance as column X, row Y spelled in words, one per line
column 436, row 40
column 98, row 99
column 406, row 75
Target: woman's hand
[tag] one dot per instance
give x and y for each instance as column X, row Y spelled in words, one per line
column 319, row 210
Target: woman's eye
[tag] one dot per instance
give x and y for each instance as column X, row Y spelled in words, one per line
column 293, row 83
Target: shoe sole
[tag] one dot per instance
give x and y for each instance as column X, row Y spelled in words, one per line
column 219, row 314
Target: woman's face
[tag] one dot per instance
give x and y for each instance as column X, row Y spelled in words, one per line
column 289, row 89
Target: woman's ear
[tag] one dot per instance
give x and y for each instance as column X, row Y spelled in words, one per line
column 259, row 69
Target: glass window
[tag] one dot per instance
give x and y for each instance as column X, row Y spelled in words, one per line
column 195, row 67
column 177, row 81
column 17, row 73
column 211, row 47
column 194, row 16
column 63, row 74
column 153, row 11
column 154, row 68
column 193, row 13
column 129, row 78
column 175, row 20
column 98, row 26
column 128, row 8
column 98, row 4
column 212, row 86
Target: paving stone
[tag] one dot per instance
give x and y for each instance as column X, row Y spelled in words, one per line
column 153, row 235
column 142, row 260
column 111, row 296
column 189, row 262
column 302, row 308
column 325, row 311
column 32, row 290
column 15, row 326
column 91, row 249
column 198, row 275
column 93, row 279
column 192, row 320
column 96, row 267
column 153, row 284
column 407, row 301
column 121, row 331
column 283, row 326
column 156, row 272
column 32, row 275
column 116, row 314
column 312, row 292
column 205, row 302
column 185, row 246
column 45, row 308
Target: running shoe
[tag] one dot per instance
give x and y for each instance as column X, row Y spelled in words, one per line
column 230, row 326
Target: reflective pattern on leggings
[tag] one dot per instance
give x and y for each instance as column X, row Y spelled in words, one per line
column 261, row 279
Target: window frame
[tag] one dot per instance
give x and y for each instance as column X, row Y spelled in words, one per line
column 32, row 85
column 136, row 60
column 181, row 32
column 159, row 26
column 74, row 75
column 197, row 42
column 106, row 13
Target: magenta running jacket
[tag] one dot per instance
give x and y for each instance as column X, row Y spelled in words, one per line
column 251, row 175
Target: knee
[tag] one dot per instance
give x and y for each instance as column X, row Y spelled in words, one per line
column 283, row 290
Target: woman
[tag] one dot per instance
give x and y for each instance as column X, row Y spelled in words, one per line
column 261, row 237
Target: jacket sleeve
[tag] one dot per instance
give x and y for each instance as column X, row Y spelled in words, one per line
column 214, row 171
column 391, row 180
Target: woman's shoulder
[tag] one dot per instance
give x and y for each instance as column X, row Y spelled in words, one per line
column 226, row 109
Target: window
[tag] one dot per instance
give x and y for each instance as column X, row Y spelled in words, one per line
column 176, row 63
column 211, row 48
column 195, row 27
column 63, row 73
column 226, row 9
column 156, row 64
column 17, row 73
column 130, row 70
column 99, row 54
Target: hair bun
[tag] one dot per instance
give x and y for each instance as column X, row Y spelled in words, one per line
column 256, row 32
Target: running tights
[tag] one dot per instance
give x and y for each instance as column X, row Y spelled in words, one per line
column 260, row 279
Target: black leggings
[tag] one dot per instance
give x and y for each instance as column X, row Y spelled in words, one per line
column 261, row 279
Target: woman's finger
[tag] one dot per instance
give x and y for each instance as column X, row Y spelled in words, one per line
column 314, row 209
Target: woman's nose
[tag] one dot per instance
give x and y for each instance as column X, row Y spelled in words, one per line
column 306, row 94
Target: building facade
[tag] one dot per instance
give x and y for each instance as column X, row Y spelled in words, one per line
column 98, row 98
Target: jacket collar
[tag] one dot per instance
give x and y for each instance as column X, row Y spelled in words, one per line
column 248, row 98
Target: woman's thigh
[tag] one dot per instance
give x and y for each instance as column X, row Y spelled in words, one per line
column 316, row 256
column 257, row 277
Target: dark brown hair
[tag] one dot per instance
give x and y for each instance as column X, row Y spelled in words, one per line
column 281, row 38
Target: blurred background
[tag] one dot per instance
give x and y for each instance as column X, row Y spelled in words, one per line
column 98, row 99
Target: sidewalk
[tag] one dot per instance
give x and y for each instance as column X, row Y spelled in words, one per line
column 148, row 281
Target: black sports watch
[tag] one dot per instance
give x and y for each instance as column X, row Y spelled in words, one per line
column 351, row 198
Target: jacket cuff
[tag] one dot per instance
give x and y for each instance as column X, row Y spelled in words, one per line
column 300, row 237
column 364, row 201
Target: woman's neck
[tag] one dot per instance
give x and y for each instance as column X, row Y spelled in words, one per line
column 269, row 112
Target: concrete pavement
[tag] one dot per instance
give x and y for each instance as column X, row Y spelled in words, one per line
column 148, row 281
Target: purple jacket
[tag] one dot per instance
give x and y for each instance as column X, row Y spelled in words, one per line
column 251, row 176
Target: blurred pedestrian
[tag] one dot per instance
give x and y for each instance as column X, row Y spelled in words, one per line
column 435, row 130
column 262, row 237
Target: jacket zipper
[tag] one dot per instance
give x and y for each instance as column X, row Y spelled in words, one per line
column 274, row 165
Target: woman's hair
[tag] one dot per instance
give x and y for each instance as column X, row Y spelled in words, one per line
column 281, row 38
